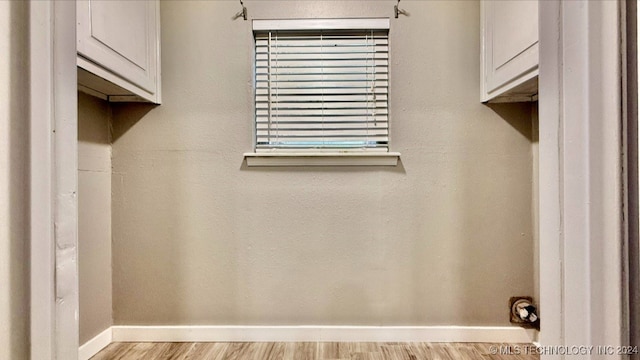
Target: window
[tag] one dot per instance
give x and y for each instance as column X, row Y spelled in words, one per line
column 322, row 86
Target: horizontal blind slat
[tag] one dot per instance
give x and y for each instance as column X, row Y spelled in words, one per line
column 326, row 98
column 354, row 118
column 339, row 128
column 321, row 145
column 324, row 112
column 298, row 71
column 326, row 138
column 327, row 132
column 319, row 106
column 329, row 91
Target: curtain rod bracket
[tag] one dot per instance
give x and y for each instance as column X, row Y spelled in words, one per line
column 242, row 13
column 397, row 11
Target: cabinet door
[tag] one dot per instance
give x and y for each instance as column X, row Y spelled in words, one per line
column 120, row 36
column 510, row 44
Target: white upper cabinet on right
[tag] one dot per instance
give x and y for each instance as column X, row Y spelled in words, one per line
column 509, row 50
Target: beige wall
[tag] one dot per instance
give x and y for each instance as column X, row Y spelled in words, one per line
column 94, row 216
column 198, row 238
column 14, row 154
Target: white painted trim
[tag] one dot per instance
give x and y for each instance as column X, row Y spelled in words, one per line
column 116, row 80
column 65, row 181
column 90, row 91
column 580, row 175
column 53, row 181
column 321, row 24
column 513, row 98
column 323, row 159
column 635, row 286
column 323, row 333
column 550, row 178
column 42, row 262
column 504, row 91
column 498, row 334
column 93, row 346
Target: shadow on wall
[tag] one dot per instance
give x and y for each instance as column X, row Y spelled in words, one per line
column 507, row 112
column 128, row 114
column 18, row 178
column 496, row 219
column 523, row 117
column 88, row 131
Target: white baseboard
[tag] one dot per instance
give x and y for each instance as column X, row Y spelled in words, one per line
column 323, row 333
column 93, row 346
column 499, row 334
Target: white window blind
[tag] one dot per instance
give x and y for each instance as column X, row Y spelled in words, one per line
column 322, row 89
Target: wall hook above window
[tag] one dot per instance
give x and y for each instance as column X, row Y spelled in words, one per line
column 398, row 11
column 242, row 13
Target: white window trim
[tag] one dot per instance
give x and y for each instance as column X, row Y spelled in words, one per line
column 321, row 158
column 322, row 24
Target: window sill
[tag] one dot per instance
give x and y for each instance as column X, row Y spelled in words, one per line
column 322, row 159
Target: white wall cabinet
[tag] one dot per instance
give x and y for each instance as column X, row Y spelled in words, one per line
column 118, row 44
column 509, row 52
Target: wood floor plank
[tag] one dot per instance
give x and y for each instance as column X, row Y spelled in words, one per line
column 327, row 350
column 132, row 351
column 201, row 351
column 311, row 351
column 262, row 350
column 174, row 351
column 436, row 351
column 367, row 356
column 112, row 351
column 250, row 350
column 156, row 352
column 466, row 352
column 419, row 350
column 344, row 350
column 216, row 351
column 396, row 352
column 276, row 352
column 289, row 350
column 236, row 350
column 367, row 347
column 305, row 351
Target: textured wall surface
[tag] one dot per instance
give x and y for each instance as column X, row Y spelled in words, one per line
column 14, row 165
column 199, row 238
column 94, row 216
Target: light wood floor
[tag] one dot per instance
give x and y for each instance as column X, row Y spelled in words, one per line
column 314, row 351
